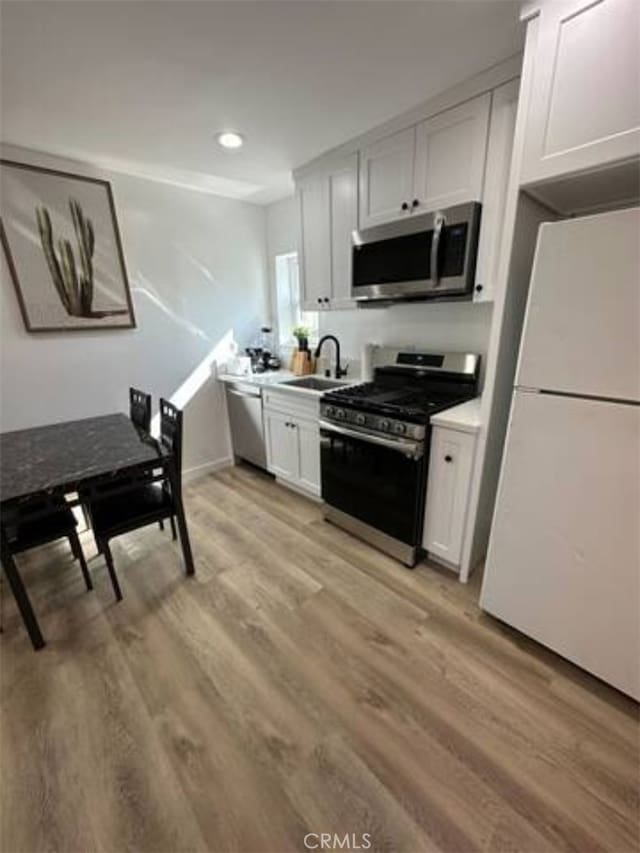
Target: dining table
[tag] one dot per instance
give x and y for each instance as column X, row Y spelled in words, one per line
column 62, row 459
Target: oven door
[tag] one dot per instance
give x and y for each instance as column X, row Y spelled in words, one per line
column 379, row 481
column 427, row 256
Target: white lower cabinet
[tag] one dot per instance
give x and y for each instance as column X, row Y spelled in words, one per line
column 293, row 441
column 450, row 468
column 282, row 451
column 308, row 448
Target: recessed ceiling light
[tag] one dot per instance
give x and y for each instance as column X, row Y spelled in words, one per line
column 230, row 139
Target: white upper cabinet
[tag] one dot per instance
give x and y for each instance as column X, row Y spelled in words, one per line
column 504, row 107
column 386, row 178
column 343, row 220
column 328, row 215
column 437, row 163
column 450, row 156
column 584, row 111
column 315, row 266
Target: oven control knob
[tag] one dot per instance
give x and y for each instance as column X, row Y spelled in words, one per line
column 399, row 429
column 361, row 419
column 329, row 411
column 383, row 424
column 340, row 414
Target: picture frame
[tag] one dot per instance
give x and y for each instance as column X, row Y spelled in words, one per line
column 62, row 244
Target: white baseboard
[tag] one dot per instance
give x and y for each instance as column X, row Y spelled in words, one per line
column 190, row 474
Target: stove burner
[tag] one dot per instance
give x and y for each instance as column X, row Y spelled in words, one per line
column 398, row 402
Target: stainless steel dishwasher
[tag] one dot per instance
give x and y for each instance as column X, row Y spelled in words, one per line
column 244, row 403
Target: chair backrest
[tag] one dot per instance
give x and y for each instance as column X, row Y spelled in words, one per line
column 140, row 409
column 171, row 431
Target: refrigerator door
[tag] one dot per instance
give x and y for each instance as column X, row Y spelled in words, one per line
column 581, row 333
column 563, row 564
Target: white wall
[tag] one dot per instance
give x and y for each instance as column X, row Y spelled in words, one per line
column 197, row 271
column 461, row 326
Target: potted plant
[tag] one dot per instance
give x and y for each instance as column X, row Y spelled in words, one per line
column 301, row 334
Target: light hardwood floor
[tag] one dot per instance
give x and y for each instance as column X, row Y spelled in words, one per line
column 300, row 683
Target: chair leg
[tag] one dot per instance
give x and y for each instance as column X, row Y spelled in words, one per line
column 161, row 524
column 104, row 548
column 174, row 535
column 73, row 541
column 76, row 547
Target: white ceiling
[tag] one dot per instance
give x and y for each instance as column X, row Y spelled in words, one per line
column 143, row 86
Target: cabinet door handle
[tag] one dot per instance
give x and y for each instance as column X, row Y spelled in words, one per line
column 415, row 202
column 479, row 288
column 319, row 300
column 404, row 206
column 448, row 458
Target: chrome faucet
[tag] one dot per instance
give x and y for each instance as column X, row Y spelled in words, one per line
column 339, row 371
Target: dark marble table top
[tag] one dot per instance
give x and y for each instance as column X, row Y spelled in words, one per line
column 60, row 456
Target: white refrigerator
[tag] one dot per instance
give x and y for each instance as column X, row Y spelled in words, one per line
column 563, row 563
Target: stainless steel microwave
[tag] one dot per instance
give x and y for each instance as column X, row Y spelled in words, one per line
column 429, row 256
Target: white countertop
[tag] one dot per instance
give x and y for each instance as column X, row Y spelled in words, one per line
column 278, row 379
column 464, row 417
column 271, row 377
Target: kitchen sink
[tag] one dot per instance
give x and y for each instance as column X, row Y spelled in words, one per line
column 314, row 383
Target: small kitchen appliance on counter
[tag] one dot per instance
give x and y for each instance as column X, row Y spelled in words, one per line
column 374, row 441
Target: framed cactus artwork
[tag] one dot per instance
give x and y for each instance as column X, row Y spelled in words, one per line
column 62, row 245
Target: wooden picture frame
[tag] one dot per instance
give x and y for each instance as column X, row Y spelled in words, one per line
column 61, row 240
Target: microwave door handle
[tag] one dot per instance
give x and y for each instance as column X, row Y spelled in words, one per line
column 438, row 224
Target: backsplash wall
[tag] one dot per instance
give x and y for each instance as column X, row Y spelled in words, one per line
column 461, row 326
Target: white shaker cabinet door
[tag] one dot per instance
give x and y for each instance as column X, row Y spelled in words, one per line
column 343, row 215
column 282, row 445
column 450, row 156
column 450, row 464
column 504, row 107
column 315, row 267
column 386, row 178
column 585, row 98
column 308, row 448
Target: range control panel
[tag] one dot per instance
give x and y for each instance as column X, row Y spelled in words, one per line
column 375, row 423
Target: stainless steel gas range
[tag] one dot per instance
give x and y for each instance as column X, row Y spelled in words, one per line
column 375, row 444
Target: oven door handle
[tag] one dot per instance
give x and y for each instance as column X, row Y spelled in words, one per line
column 414, row 449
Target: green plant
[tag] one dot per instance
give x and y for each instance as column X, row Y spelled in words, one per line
column 72, row 280
column 301, row 332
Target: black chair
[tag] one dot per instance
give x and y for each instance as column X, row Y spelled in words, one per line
column 138, row 498
column 140, row 409
column 40, row 521
column 140, row 415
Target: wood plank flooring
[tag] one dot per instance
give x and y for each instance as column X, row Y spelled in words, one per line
column 300, row 683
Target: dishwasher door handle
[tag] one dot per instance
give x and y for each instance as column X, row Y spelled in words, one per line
column 248, row 394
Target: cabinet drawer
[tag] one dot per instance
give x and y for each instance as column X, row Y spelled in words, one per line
column 450, row 467
column 292, row 403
